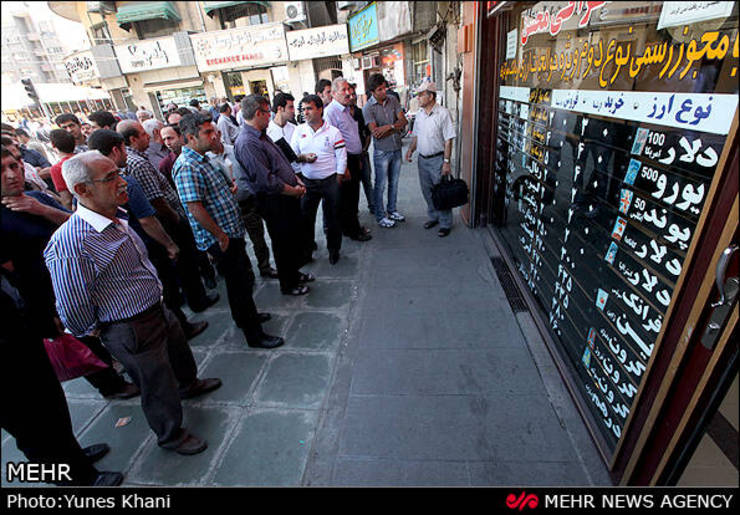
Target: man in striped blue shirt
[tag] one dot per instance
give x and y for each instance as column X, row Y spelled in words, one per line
column 104, row 282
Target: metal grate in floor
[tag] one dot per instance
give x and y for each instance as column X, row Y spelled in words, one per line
column 507, row 283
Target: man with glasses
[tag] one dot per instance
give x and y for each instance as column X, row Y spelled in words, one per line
column 433, row 134
column 104, row 283
column 278, row 191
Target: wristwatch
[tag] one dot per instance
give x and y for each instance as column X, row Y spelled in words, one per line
column 446, row 160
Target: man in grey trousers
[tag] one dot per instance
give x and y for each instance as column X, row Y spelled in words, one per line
column 433, row 134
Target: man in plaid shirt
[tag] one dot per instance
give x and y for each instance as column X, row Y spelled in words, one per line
column 170, row 212
column 216, row 221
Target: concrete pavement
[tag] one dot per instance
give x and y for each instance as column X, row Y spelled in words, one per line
column 404, row 366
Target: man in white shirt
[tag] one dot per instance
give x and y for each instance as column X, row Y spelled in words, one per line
column 229, row 131
column 321, row 151
column 282, row 125
column 433, row 134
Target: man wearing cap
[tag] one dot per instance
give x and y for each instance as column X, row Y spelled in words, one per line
column 433, row 133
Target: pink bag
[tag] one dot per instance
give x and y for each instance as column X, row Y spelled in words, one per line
column 71, row 358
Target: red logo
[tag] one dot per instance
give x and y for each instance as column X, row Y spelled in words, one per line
column 523, row 501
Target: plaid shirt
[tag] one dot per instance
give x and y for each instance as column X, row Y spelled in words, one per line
column 153, row 183
column 197, row 180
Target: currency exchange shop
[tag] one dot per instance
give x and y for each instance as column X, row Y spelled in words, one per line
column 607, row 170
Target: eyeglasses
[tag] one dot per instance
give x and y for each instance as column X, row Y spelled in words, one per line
column 110, row 177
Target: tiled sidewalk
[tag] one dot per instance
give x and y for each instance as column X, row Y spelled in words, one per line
column 403, row 366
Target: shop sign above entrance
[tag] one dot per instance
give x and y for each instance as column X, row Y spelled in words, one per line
column 363, row 28
column 144, row 55
column 317, row 42
column 245, row 47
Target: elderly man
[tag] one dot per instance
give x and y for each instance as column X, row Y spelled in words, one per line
column 71, row 124
column 337, row 113
column 227, row 127
column 214, row 216
column 157, row 149
column 164, row 199
column 143, row 115
column 104, row 282
column 433, row 134
column 385, row 119
column 321, row 149
column 278, row 191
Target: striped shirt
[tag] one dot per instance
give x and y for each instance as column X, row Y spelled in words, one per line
column 198, row 181
column 100, row 271
column 154, row 183
column 328, row 145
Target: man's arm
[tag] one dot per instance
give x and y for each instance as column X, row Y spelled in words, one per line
column 154, row 228
column 411, row 150
column 446, row 168
column 164, row 210
column 27, row 204
column 69, row 278
column 204, row 219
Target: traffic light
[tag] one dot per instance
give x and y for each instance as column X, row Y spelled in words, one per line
column 30, row 89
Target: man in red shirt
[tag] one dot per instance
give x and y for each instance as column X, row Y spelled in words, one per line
column 64, row 143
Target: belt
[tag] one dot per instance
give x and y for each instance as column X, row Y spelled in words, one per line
column 148, row 311
column 432, row 155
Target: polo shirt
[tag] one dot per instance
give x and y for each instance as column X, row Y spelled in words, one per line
column 328, row 145
column 432, row 130
column 384, row 114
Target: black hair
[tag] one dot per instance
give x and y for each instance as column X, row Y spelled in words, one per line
column 321, row 85
column 250, row 105
column 21, row 132
column 175, row 127
column 128, row 131
column 376, row 80
column 7, row 141
column 66, row 117
column 281, row 100
column 104, row 140
column 224, row 107
column 191, row 124
column 62, row 140
column 315, row 100
column 195, row 102
column 103, row 119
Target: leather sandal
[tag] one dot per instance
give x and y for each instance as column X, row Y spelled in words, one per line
column 306, row 278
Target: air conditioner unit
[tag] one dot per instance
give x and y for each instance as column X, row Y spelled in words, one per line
column 294, row 12
column 101, row 7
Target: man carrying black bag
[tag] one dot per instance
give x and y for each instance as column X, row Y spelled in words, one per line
column 433, row 133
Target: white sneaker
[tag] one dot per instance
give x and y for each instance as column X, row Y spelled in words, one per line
column 386, row 222
column 396, row 216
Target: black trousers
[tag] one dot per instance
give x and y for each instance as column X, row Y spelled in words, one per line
column 317, row 190
column 106, row 381
column 235, row 267
column 187, row 264
column 350, row 197
column 35, row 409
column 255, row 229
column 282, row 215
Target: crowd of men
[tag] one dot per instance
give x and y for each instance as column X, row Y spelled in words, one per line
column 135, row 217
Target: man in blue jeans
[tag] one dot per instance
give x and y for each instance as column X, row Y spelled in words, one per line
column 385, row 119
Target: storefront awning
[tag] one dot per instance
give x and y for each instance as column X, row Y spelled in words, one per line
column 142, row 11
column 233, row 10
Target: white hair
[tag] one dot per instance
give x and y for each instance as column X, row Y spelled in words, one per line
column 145, row 112
column 150, row 125
column 78, row 169
column 336, row 82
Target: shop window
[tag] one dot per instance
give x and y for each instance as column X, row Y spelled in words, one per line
column 157, row 27
column 610, row 125
column 420, row 60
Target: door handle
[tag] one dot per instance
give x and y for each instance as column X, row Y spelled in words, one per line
column 722, row 264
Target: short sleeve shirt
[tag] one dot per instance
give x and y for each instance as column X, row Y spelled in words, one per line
column 432, row 130
column 56, row 176
column 384, row 114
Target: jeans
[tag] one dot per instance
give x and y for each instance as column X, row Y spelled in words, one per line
column 430, row 173
column 387, row 165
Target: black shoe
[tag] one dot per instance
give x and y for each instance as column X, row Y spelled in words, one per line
column 314, row 246
column 129, row 390
column 264, row 317
column 97, row 451
column 333, row 257
column 265, row 341
column 190, row 445
column 200, row 387
column 210, row 300
column 306, row 278
column 361, row 237
column 430, row 224
column 210, row 282
column 301, row 289
column 193, row 330
column 443, row 232
column 270, row 273
column 108, row 479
